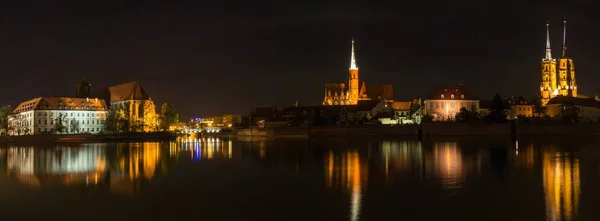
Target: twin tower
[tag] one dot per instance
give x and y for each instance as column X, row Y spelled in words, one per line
column 564, row 83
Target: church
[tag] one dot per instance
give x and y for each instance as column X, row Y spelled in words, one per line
column 564, row 83
column 350, row 93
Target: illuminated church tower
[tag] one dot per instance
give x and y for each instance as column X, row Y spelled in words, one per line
column 567, row 85
column 548, row 85
column 353, row 78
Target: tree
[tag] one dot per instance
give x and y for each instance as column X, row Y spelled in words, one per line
column 169, row 114
column 498, row 112
column 427, row 118
column 4, row 113
column 74, row 124
column 465, row 115
column 569, row 113
column 60, row 124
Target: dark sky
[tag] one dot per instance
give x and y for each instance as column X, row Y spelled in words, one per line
column 228, row 57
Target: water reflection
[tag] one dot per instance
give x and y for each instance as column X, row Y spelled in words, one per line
column 61, row 165
column 372, row 175
column 121, row 168
column 561, row 184
column 345, row 170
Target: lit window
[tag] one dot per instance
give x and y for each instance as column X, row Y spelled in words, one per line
column 462, row 96
column 452, row 96
column 442, row 96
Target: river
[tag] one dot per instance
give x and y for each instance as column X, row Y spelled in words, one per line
column 300, row 179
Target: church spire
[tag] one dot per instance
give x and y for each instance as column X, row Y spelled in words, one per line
column 353, row 58
column 548, row 51
column 564, row 52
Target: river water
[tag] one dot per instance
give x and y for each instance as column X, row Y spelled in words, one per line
column 300, row 179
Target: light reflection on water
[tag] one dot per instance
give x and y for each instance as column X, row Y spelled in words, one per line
column 354, row 169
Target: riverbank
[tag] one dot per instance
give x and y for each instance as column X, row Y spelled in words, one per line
column 431, row 129
column 87, row 138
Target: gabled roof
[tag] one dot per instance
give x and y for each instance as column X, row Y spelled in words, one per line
column 336, row 88
column 451, row 92
column 401, row 105
column 122, row 92
column 586, row 102
column 377, row 91
column 61, row 103
column 367, row 105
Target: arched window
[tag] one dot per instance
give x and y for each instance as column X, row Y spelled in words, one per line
column 462, row 96
column 442, row 96
column 452, row 96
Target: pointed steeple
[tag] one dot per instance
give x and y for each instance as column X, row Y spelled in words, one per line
column 353, row 58
column 548, row 51
column 564, row 52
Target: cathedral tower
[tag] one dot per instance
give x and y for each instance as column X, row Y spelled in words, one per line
column 567, row 85
column 83, row 89
column 353, row 78
column 548, row 85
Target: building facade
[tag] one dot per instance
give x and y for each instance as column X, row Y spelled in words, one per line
column 352, row 92
column 558, row 78
column 518, row 106
column 134, row 102
column 446, row 101
column 58, row 115
column 588, row 109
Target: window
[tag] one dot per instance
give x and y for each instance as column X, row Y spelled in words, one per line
column 452, row 104
column 88, row 121
column 45, row 114
column 452, row 96
column 437, row 105
column 462, row 96
column 39, row 114
column 442, row 96
column 45, row 121
column 71, row 114
column 39, row 121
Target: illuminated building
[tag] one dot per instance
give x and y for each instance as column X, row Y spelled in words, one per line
column 446, row 101
column 407, row 112
column 518, row 106
column 588, row 109
column 62, row 115
column 565, row 84
column 138, row 107
column 548, row 85
column 350, row 94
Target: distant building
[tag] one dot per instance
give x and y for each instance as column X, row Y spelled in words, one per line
column 564, row 83
column 369, row 111
column 83, row 89
column 518, row 106
column 588, row 109
column 62, row 115
column 446, row 101
column 224, row 121
column 131, row 97
column 350, row 94
column 407, row 112
column 485, row 107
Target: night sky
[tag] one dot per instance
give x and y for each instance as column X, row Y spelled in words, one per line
column 229, row 57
